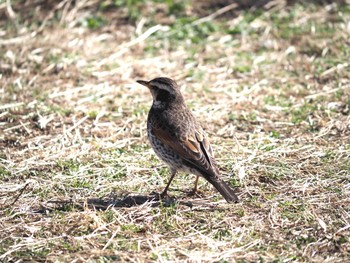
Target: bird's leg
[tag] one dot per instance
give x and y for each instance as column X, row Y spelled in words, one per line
column 195, row 185
column 194, row 191
column 173, row 172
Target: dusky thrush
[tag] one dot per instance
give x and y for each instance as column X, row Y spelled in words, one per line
column 178, row 139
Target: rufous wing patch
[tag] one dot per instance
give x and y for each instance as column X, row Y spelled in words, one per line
column 191, row 148
column 192, row 145
column 166, row 138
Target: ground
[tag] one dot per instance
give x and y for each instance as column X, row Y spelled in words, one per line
column 269, row 83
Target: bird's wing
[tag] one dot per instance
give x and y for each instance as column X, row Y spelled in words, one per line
column 195, row 148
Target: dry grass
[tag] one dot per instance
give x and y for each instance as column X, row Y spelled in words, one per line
column 271, row 87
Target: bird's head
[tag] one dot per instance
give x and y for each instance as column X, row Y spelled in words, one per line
column 163, row 90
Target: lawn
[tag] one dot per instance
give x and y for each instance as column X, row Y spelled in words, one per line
column 270, row 84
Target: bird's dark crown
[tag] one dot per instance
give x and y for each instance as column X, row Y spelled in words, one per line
column 163, row 89
column 162, row 81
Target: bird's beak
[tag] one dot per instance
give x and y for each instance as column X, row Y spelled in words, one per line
column 144, row 83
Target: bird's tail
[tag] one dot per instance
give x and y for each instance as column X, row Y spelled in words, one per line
column 224, row 189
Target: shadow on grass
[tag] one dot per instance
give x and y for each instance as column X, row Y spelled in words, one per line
column 153, row 200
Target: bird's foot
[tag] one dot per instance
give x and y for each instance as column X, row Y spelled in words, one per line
column 164, row 194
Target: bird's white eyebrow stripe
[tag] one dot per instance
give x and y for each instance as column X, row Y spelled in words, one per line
column 160, row 83
column 162, row 86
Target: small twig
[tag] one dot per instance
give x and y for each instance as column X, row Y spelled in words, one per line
column 10, row 12
column 343, row 229
column 111, row 239
column 16, row 40
column 17, row 126
column 312, row 96
column 2, row 114
column 215, row 14
column 140, row 25
column 11, row 105
column 335, row 68
column 125, row 47
column 77, row 124
column 25, row 127
column 18, row 196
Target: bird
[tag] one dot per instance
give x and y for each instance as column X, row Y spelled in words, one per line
column 179, row 140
